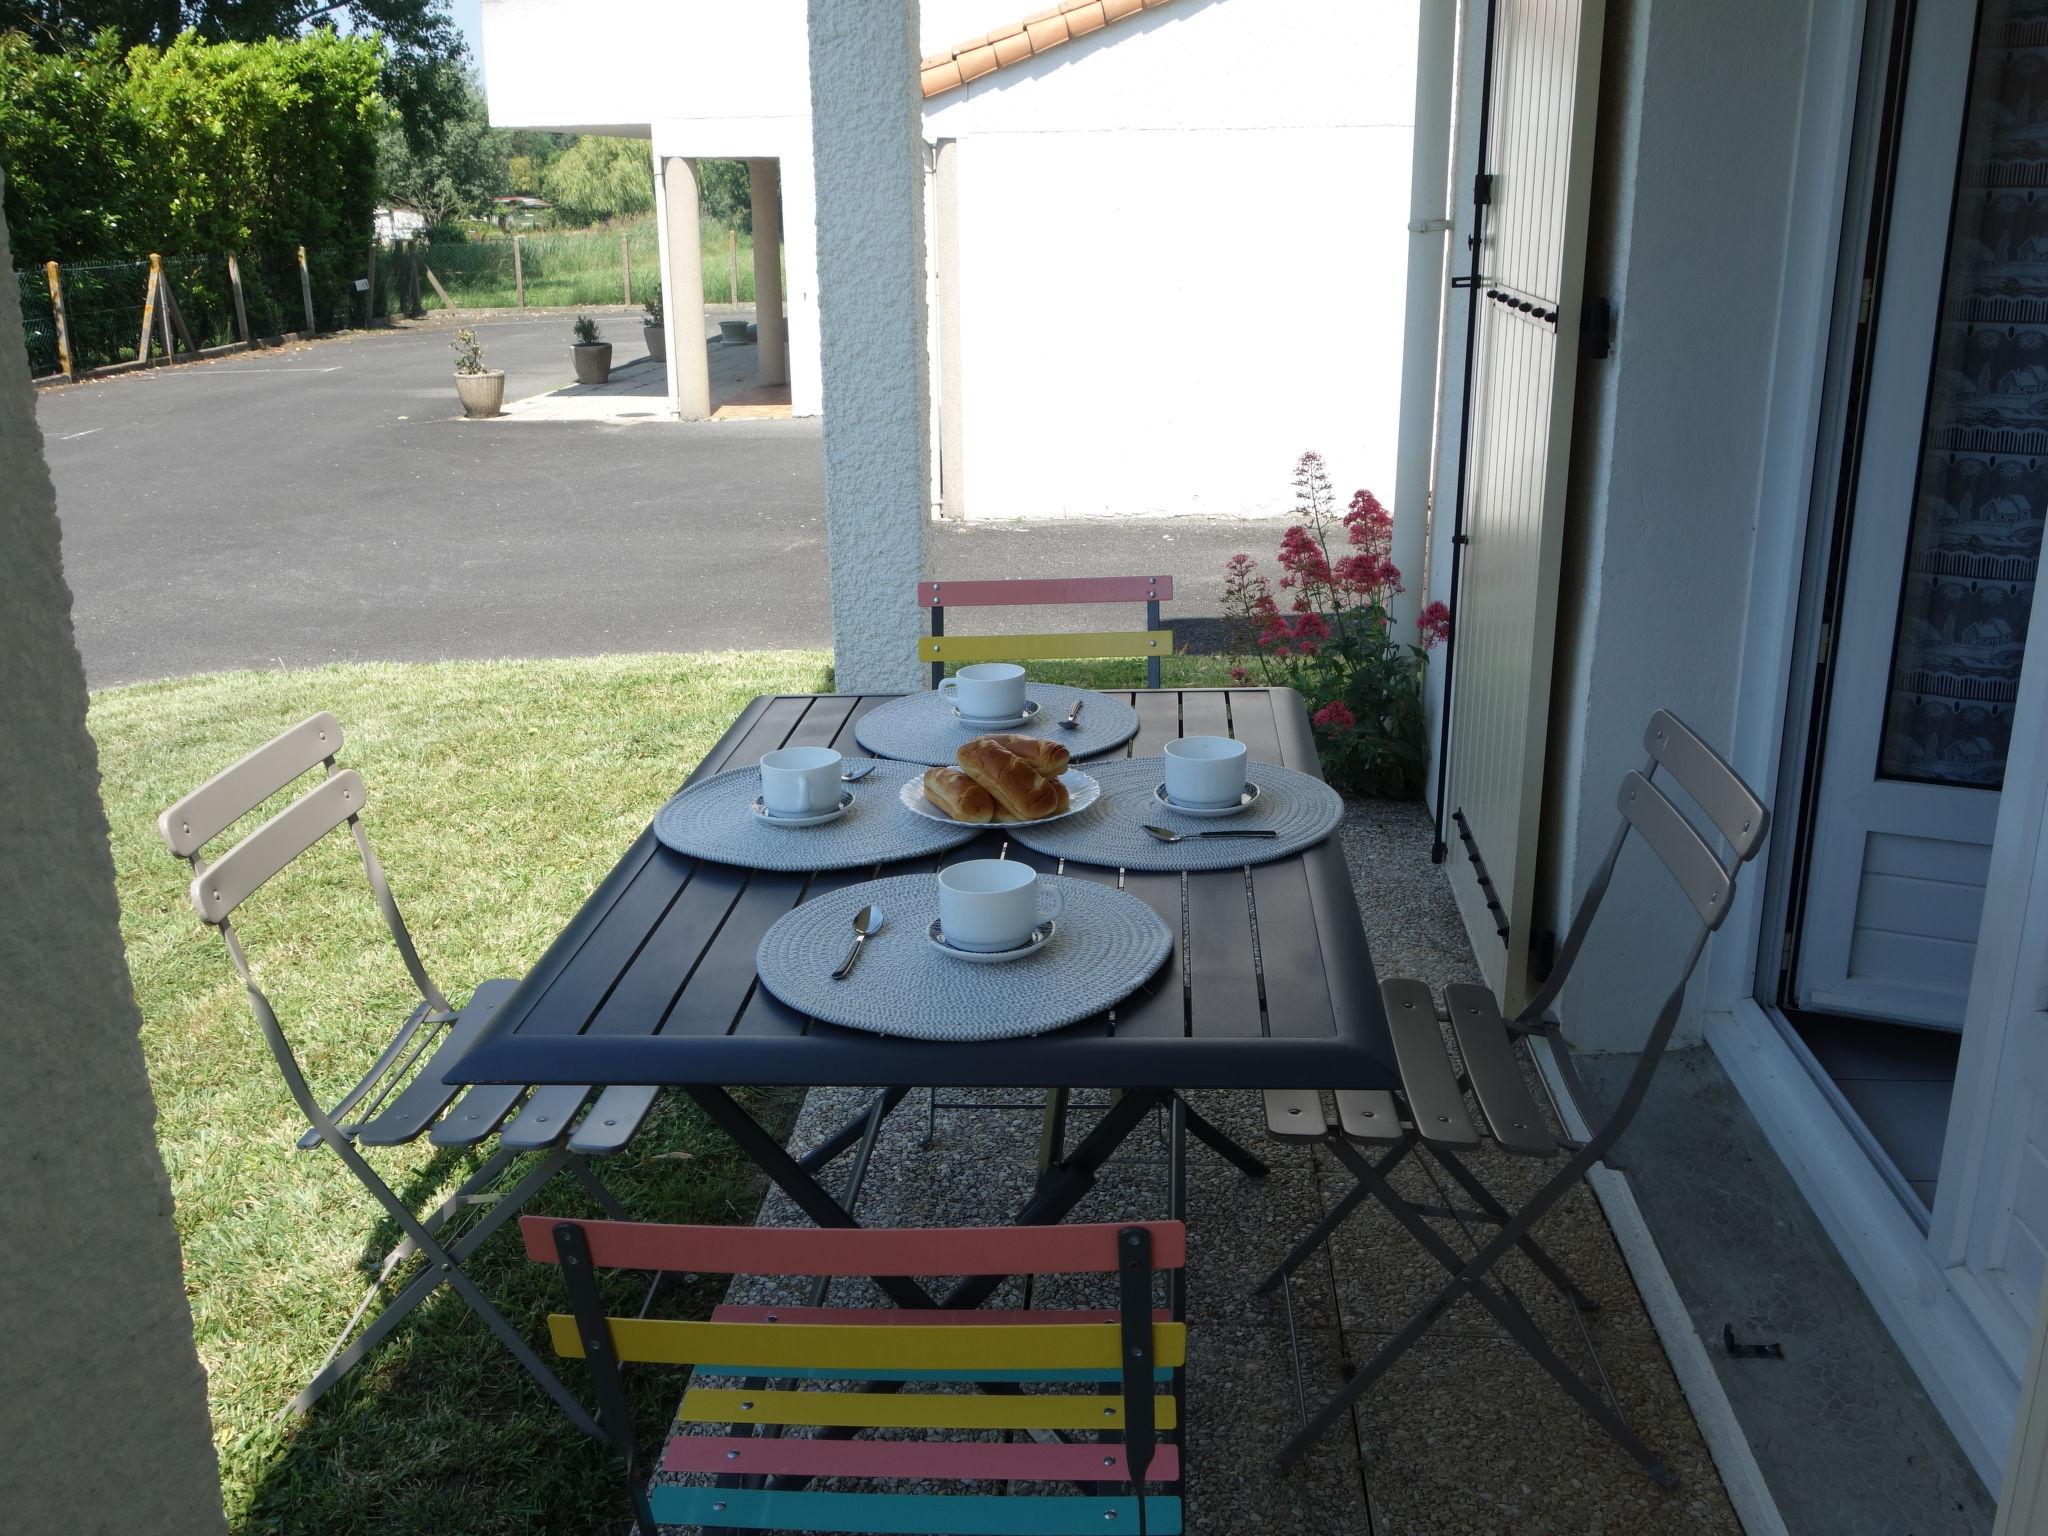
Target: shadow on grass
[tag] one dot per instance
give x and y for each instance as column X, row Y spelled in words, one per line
column 439, row 1432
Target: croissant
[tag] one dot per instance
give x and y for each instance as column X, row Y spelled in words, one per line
column 1047, row 759
column 1019, row 793
column 958, row 795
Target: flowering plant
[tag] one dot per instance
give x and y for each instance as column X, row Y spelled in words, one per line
column 1323, row 630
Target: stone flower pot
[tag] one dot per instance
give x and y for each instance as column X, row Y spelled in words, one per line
column 482, row 394
column 657, row 342
column 593, row 361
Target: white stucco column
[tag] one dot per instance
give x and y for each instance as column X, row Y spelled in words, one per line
column 99, row 1370
column 689, row 365
column 868, row 158
column 764, row 181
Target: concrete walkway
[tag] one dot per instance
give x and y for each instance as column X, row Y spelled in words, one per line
column 1465, row 1435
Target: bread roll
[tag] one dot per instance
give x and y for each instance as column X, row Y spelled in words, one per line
column 958, row 795
column 1020, row 794
column 1047, row 759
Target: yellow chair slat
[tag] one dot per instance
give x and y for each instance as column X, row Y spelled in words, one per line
column 857, row 1347
column 917, row 1410
column 1072, row 647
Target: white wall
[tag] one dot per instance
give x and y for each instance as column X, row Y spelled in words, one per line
column 1700, row 123
column 1183, row 250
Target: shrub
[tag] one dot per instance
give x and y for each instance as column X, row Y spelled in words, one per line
column 587, row 333
column 469, row 352
column 1324, row 631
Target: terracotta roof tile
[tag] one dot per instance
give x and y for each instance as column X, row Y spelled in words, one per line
column 1007, row 45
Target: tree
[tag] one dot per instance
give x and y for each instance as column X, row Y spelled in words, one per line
column 419, row 36
column 458, row 171
column 598, row 178
column 726, row 194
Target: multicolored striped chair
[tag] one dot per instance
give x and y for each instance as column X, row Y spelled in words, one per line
column 1151, row 642
column 1085, row 1435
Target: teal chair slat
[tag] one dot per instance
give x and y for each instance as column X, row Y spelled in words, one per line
column 913, row 1514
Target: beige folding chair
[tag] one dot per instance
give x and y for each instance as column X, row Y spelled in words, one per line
column 402, row 1095
column 1430, row 1113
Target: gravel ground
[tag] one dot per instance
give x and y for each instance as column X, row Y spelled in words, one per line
column 1465, row 1434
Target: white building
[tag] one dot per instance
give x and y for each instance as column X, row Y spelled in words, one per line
column 1184, row 229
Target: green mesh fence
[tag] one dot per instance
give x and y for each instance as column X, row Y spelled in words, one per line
column 38, row 325
column 562, row 270
column 103, row 308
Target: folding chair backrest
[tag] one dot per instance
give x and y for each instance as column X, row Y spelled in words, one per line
column 1151, row 642
column 1133, row 1344
column 233, row 793
column 1707, row 879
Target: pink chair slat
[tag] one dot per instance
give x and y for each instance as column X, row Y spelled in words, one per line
column 977, row 1460
column 1053, row 1250
column 901, row 1317
column 1051, row 590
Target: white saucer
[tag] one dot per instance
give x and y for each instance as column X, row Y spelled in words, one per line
column 1040, row 937
column 1244, row 802
column 776, row 819
column 1082, row 792
column 1031, row 708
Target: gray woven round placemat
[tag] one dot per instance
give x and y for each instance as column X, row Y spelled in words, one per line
column 1300, row 807
column 922, row 728
column 1108, row 945
column 711, row 820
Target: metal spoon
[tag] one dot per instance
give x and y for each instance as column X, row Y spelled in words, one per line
column 1178, row 837
column 855, row 775
column 1073, row 720
column 867, row 922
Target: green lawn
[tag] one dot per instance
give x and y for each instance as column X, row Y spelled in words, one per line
column 499, row 794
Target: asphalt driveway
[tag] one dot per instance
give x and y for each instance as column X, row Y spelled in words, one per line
column 327, row 503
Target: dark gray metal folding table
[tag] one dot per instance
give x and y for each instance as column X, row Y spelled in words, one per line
column 652, row 982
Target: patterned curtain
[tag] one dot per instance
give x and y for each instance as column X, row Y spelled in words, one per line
column 1982, row 493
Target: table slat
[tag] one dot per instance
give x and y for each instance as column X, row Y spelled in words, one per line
column 1158, row 721
column 1223, row 978
column 1251, row 722
column 723, row 977
column 648, row 984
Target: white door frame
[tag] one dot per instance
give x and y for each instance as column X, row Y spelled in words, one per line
column 1968, row 1380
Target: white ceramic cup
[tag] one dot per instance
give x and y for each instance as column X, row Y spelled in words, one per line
column 988, row 690
column 1205, row 771
column 990, row 905
column 800, row 781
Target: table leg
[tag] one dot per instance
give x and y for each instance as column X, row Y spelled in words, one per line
column 1220, row 1142
column 1052, row 1135
column 828, row 1149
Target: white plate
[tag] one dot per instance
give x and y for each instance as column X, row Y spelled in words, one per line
column 775, row 819
column 1081, row 793
column 1244, row 802
column 1040, row 937
column 1030, row 713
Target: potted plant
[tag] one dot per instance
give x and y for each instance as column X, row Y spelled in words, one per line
column 593, row 357
column 657, row 335
column 481, row 389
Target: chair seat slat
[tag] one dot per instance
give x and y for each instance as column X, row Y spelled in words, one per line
column 912, row 1514
column 613, row 1120
column 917, row 1410
column 1295, row 1114
column 1044, row 591
column 848, row 1348
column 1496, row 1076
column 1052, row 647
column 420, row 1100
column 924, row 1460
column 1071, row 1249
column 1369, row 1115
column 548, row 1113
column 1426, row 1077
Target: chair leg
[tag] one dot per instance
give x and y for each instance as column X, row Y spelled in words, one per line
column 582, row 1172
column 444, row 1266
column 1332, row 1220
column 1468, row 1275
column 1495, row 1211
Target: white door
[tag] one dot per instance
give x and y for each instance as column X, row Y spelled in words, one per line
column 1538, row 153
column 1945, row 533
column 1991, row 1203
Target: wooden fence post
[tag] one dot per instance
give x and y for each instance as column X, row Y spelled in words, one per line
column 626, row 265
column 306, row 293
column 370, row 285
column 241, row 309
column 732, row 255
column 156, row 264
column 174, row 316
column 446, row 302
column 65, row 361
column 518, row 272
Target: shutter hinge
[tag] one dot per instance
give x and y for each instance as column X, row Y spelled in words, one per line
column 1869, row 298
column 1482, row 189
column 1827, row 643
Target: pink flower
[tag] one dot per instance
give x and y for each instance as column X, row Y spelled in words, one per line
column 1335, row 716
column 1310, row 626
column 1238, row 565
column 1435, row 624
column 1239, row 675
